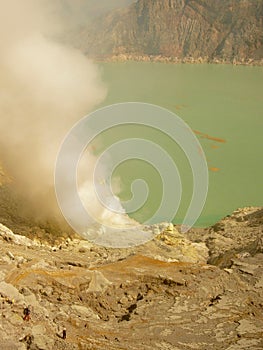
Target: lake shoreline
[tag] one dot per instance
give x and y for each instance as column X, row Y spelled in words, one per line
column 175, row 60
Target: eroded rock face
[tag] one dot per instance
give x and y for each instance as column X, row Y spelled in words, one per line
column 137, row 298
column 236, row 234
column 174, row 30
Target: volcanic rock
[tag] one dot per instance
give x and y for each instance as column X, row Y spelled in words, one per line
column 162, row 295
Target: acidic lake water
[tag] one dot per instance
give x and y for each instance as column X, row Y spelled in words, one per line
column 223, row 104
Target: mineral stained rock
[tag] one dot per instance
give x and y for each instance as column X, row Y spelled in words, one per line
column 202, row 290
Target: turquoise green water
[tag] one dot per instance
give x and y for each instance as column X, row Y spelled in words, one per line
column 222, row 101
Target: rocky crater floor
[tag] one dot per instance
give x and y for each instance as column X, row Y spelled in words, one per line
column 202, row 290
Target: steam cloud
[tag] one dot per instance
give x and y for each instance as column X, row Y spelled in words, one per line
column 45, row 87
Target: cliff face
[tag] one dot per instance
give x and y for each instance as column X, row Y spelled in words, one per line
column 212, row 29
column 81, row 10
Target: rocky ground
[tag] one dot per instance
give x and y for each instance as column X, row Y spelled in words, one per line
column 202, row 290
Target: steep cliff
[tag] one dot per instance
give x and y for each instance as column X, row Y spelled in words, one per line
column 225, row 30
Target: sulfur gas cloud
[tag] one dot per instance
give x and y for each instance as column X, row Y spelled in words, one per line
column 45, row 87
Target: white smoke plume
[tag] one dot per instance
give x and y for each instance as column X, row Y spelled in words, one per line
column 45, row 87
column 106, row 208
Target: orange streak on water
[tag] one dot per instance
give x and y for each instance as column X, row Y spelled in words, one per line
column 214, row 169
column 206, row 136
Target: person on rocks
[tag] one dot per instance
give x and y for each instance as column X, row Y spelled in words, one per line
column 64, row 333
column 26, row 313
